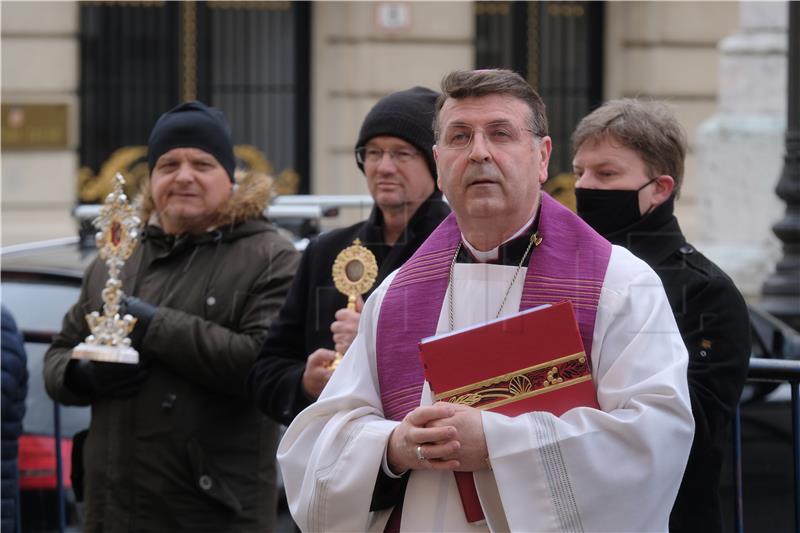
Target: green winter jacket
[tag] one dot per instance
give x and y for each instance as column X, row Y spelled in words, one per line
column 188, row 451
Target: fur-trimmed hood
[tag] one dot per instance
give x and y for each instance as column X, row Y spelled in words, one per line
column 250, row 197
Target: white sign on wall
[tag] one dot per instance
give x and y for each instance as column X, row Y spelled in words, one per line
column 393, row 16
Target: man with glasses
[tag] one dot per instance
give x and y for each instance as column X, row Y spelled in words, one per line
column 376, row 453
column 394, row 150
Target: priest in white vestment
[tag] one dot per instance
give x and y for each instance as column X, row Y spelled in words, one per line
column 375, row 453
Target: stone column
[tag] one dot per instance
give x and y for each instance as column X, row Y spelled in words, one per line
column 740, row 149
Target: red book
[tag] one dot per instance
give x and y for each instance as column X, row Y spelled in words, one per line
column 531, row 361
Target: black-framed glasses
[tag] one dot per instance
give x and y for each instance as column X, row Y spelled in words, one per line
column 372, row 155
column 459, row 136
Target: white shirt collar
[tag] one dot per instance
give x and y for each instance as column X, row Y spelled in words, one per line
column 494, row 253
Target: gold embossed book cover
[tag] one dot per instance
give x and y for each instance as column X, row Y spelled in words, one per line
column 530, row 361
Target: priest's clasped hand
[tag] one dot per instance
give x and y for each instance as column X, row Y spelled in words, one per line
column 442, row 436
column 472, row 452
column 413, row 439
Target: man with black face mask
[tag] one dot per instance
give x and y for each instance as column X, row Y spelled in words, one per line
column 629, row 158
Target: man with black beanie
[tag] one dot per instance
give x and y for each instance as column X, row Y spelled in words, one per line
column 394, row 151
column 174, row 443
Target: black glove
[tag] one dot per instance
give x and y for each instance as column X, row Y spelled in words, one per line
column 99, row 379
column 144, row 312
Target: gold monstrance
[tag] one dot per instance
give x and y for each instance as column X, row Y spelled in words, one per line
column 117, row 236
column 354, row 272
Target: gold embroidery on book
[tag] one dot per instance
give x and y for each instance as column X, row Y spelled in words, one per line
column 523, row 383
column 519, row 385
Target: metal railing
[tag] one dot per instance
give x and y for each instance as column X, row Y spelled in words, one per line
column 46, row 337
column 769, row 371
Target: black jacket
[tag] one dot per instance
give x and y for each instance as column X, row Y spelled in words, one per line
column 714, row 323
column 15, row 388
column 305, row 319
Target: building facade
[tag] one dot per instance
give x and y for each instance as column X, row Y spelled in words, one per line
column 82, row 82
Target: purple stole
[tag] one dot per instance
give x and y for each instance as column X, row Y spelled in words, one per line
column 569, row 264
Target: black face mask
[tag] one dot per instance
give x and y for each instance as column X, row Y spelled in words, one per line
column 609, row 210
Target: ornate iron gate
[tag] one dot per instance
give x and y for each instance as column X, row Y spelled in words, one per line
column 138, row 59
column 558, row 48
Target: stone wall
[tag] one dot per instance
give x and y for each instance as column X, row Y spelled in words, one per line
column 664, row 50
column 357, row 59
column 668, row 51
column 40, row 66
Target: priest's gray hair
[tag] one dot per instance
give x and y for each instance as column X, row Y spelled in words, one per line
column 476, row 83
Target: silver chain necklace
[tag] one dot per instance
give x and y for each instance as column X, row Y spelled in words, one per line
column 534, row 241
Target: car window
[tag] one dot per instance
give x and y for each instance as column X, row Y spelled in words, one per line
column 40, row 307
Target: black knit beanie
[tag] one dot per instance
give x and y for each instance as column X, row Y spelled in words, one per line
column 192, row 125
column 407, row 115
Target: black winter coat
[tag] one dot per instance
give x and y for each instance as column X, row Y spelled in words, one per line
column 714, row 323
column 304, row 322
column 15, row 388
